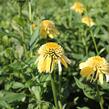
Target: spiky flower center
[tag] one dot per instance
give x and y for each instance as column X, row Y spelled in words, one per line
column 52, row 50
column 54, row 53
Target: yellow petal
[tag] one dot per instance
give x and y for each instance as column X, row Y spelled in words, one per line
column 53, row 32
column 41, row 64
column 65, row 60
column 101, row 78
column 59, row 67
column 49, row 64
column 87, row 71
column 83, row 65
column 45, row 64
column 107, row 78
column 51, row 35
column 105, row 69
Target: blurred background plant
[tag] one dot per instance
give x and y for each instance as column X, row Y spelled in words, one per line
column 21, row 86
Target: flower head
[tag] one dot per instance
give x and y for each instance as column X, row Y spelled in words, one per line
column 88, row 21
column 50, row 54
column 78, row 7
column 47, row 28
column 94, row 68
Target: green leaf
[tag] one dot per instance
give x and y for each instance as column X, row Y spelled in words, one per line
column 83, row 107
column 17, row 85
column 10, row 97
column 4, row 104
column 105, row 86
column 79, row 83
column 88, row 90
column 34, row 38
column 45, row 105
column 37, row 92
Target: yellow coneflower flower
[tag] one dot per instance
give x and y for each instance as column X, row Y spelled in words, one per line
column 50, row 54
column 95, row 68
column 88, row 21
column 47, row 28
column 78, row 7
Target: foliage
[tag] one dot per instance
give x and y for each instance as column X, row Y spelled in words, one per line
column 21, row 85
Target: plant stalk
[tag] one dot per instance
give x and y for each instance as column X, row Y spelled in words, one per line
column 54, row 92
column 100, row 98
column 30, row 15
column 94, row 42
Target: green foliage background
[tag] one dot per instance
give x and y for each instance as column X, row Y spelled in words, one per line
column 21, row 86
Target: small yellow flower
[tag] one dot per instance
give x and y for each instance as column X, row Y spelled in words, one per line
column 95, row 68
column 78, row 7
column 88, row 21
column 47, row 28
column 50, row 54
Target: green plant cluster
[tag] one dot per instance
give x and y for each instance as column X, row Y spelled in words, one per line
column 21, row 85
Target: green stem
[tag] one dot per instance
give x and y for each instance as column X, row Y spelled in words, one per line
column 59, row 101
column 20, row 11
column 101, row 103
column 94, row 42
column 70, row 19
column 30, row 14
column 60, row 87
column 85, row 45
column 100, row 98
column 86, row 48
column 54, row 92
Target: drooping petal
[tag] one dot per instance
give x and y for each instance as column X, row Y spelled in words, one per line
column 51, row 36
column 43, row 32
column 105, row 69
column 107, row 77
column 87, row 71
column 52, row 32
column 101, row 78
column 49, row 66
column 63, row 61
column 41, row 64
column 67, row 60
column 82, row 65
column 59, row 67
